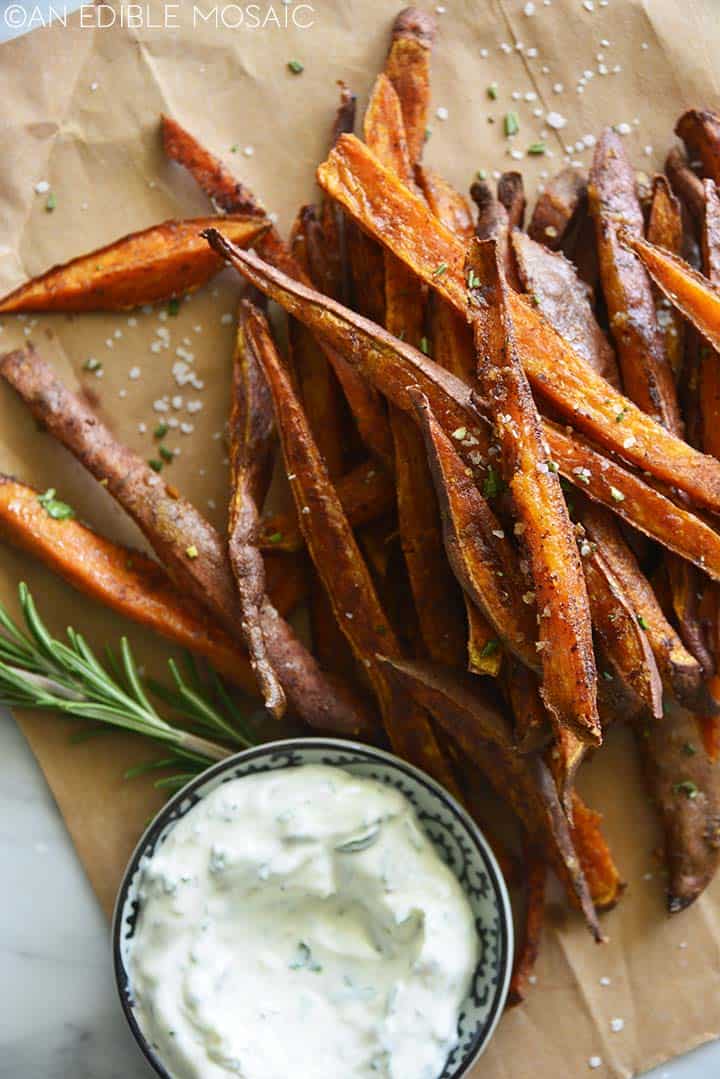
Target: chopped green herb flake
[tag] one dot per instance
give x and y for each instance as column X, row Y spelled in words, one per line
column 687, row 787
column 617, row 496
column 642, row 622
column 472, row 279
column 689, row 749
column 492, row 91
column 59, row 511
column 51, row 203
column 191, row 551
column 155, row 465
column 275, row 537
column 173, row 307
column 511, row 124
column 607, row 676
column 536, row 149
column 91, row 364
column 428, row 133
column 303, row 960
column 489, row 648
column 424, row 346
column 493, row 483
column 553, row 466
column 621, row 415
column 295, row 67
column 166, row 454
column 481, row 174
column 440, row 270
column 161, row 430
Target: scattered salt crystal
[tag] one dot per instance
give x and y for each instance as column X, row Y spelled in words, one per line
column 249, row 151
column 94, row 86
column 517, row 155
column 186, row 428
column 555, row 121
column 644, row 46
column 109, row 342
column 558, row 88
column 531, row 53
column 134, row 373
column 516, row 95
column 532, row 979
column 648, row 151
column 605, row 981
column 623, row 129
column 442, row 113
column 226, row 319
column 160, row 405
column 42, row 187
column 122, row 393
column 440, row 9
column 142, row 428
column 484, row 53
column 616, row 1025
column 594, row 1062
column 589, row 140
column 529, row 9
column 531, row 96
column 537, row 112
column 589, row 5
column 132, row 321
column 682, row 944
column 504, row 47
column 163, row 316
column 177, row 401
column 194, row 406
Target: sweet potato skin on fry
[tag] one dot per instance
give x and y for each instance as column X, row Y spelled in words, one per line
column 524, row 782
column 528, row 947
column 160, row 263
column 569, row 685
column 402, row 222
column 686, row 185
column 560, row 295
column 556, row 208
column 647, row 377
column 700, row 131
column 189, row 547
column 684, row 787
column 251, row 431
column 125, row 580
column 665, row 228
column 406, row 66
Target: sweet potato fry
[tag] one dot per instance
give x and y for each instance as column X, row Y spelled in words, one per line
column 601, row 873
column 560, row 295
column 685, row 183
column 160, row 263
column 569, row 686
column 125, row 580
column 408, row 68
column 402, row 222
column 680, row 671
column 647, row 376
column 525, row 783
column 333, row 222
column 189, row 547
column 617, row 630
column 689, row 291
column 251, row 431
column 556, row 208
column 528, row 946
column 366, row 493
column 337, row 559
column 709, row 725
column 220, row 186
column 665, row 229
column 700, row 131
column 448, row 205
column 492, row 217
column 684, row 787
column 482, row 557
column 511, row 193
column 709, row 359
column 533, row 730
column 393, row 366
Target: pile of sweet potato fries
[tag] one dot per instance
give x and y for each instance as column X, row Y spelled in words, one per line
column 503, row 447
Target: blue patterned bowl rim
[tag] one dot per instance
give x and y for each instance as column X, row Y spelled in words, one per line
column 480, row 875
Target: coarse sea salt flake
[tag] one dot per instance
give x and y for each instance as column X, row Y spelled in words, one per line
column 555, row 120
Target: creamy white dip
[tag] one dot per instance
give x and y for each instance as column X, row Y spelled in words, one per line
column 298, row 924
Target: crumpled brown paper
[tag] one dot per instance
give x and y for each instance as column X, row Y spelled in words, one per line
column 79, row 110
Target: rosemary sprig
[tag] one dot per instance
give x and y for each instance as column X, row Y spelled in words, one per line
column 39, row 671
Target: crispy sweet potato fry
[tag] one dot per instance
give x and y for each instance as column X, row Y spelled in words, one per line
column 647, row 376
column 189, row 547
column 560, row 295
column 407, row 66
column 125, row 580
column 689, row 291
column 366, row 493
column 665, row 228
column 684, row 182
column 484, row 735
column 251, row 431
column 556, row 207
column 482, row 558
column 528, row 946
column 157, row 264
column 533, row 730
column 511, row 193
column 392, row 366
column 333, row 222
column 337, row 559
column 680, row 672
column 219, row 185
column 601, row 873
column 484, row 653
column 709, row 725
column 492, row 218
column 616, row 628
column 684, row 786
column 709, row 359
column 400, row 220
column 448, row 205
column 700, row 131
column 569, row 687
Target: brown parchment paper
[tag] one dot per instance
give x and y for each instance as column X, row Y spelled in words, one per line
column 79, row 109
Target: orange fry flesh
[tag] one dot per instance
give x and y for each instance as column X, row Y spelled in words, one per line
column 529, row 944
column 160, row 263
column 397, row 218
column 601, row 873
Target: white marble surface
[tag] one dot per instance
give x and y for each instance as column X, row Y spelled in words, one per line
column 59, row 1016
